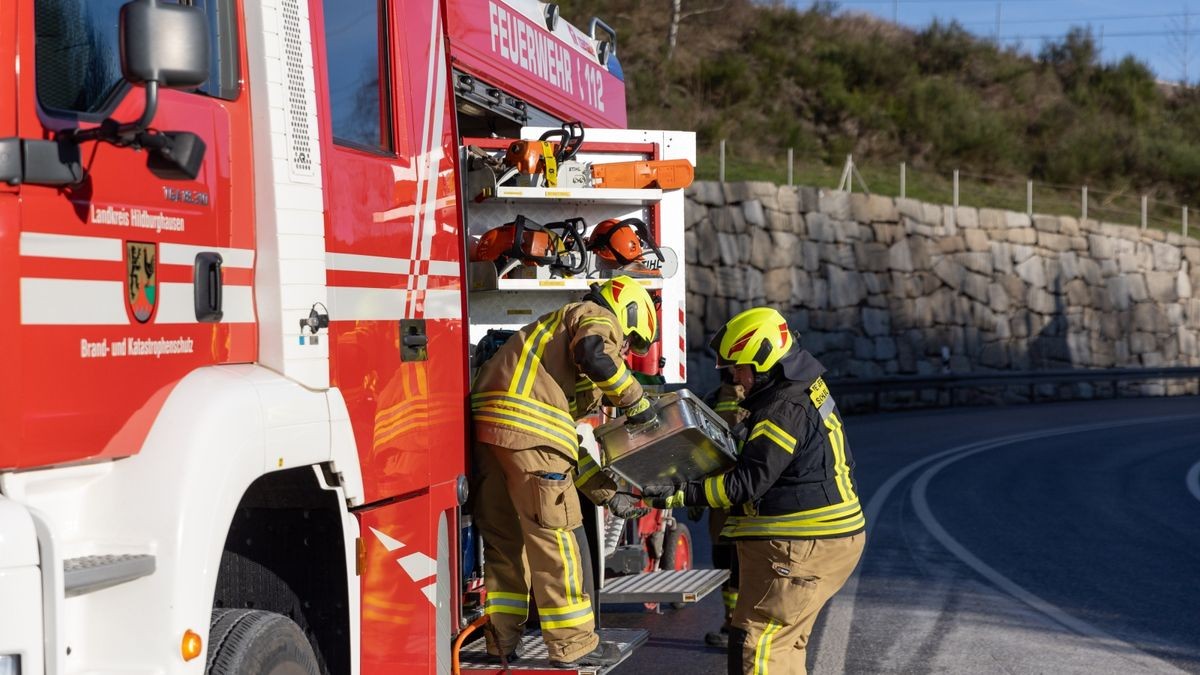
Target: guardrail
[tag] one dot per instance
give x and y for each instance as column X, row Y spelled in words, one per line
column 1031, row 379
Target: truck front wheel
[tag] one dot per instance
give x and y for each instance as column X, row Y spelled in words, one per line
column 253, row 642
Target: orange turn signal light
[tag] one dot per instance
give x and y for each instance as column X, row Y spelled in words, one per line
column 191, row 646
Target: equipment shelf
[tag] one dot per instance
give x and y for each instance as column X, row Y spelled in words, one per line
column 629, row 197
column 483, row 278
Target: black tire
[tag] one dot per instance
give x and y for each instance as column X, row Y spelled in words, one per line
column 670, row 541
column 254, row 642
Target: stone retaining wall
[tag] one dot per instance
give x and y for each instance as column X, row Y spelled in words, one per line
column 882, row 286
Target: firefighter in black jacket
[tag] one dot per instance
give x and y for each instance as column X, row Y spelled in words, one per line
column 795, row 510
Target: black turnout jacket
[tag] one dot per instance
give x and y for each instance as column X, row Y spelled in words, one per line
column 794, row 478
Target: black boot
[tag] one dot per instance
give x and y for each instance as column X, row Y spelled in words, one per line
column 605, row 654
column 509, row 658
column 719, row 638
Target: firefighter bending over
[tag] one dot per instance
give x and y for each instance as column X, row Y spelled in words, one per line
column 796, row 516
column 524, row 404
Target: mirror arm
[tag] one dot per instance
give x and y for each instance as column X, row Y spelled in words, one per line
column 115, row 132
column 148, row 112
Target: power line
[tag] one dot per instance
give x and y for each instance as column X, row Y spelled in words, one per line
column 1180, row 41
column 922, row 2
column 1059, row 36
column 1078, row 19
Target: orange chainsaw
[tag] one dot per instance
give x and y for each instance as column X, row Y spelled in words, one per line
column 628, row 246
column 547, row 162
column 559, row 245
column 536, row 163
column 664, row 174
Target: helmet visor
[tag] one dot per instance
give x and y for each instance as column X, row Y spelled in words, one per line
column 639, row 345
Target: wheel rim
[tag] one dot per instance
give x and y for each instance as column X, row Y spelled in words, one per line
column 683, row 552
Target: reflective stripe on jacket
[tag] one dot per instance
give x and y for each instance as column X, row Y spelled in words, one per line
column 529, row 393
column 726, row 402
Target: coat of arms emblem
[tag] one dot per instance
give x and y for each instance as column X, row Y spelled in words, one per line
column 141, row 281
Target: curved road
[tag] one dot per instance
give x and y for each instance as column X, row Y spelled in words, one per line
column 1057, row 538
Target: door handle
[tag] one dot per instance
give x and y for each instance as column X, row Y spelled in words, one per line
column 206, row 280
column 414, row 340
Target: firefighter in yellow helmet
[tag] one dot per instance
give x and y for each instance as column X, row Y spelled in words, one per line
column 795, row 510
column 524, row 403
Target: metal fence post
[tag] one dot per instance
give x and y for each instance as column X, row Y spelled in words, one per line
column 722, row 164
column 789, row 167
column 1144, row 212
column 847, row 180
column 956, row 188
column 1029, row 198
column 903, row 171
column 1084, row 202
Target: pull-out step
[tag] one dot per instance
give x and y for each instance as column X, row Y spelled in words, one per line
column 93, row 572
column 666, row 586
column 534, row 658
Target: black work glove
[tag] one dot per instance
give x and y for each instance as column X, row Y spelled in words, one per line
column 662, row 495
column 695, row 513
column 627, row 506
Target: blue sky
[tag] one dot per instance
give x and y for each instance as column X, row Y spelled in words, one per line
column 1153, row 31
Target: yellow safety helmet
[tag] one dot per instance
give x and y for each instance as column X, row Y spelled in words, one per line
column 757, row 337
column 636, row 314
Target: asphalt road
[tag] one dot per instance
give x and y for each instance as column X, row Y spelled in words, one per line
column 1056, row 538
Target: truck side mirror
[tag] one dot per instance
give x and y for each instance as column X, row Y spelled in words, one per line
column 162, row 46
column 164, row 43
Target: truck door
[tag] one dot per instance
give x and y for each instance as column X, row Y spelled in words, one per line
column 393, row 261
column 113, row 271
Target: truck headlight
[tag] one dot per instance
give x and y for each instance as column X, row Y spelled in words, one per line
column 10, row 664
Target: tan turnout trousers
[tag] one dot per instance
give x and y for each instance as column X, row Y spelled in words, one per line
column 784, row 584
column 529, row 526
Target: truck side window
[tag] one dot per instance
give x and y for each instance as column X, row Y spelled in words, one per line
column 356, row 54
column 78, row 60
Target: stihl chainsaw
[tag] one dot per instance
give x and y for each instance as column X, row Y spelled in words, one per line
column 550, row 162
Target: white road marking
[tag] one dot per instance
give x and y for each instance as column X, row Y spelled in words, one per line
column 839, row 614
column 1193, row 480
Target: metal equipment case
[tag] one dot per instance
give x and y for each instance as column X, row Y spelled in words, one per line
column 687, row 442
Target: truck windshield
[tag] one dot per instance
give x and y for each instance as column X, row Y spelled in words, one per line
column 78, row 59
column 78, row 62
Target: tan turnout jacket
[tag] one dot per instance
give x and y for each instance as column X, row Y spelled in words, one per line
column 550, row 373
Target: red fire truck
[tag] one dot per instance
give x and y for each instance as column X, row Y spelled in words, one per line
column 235, row 240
